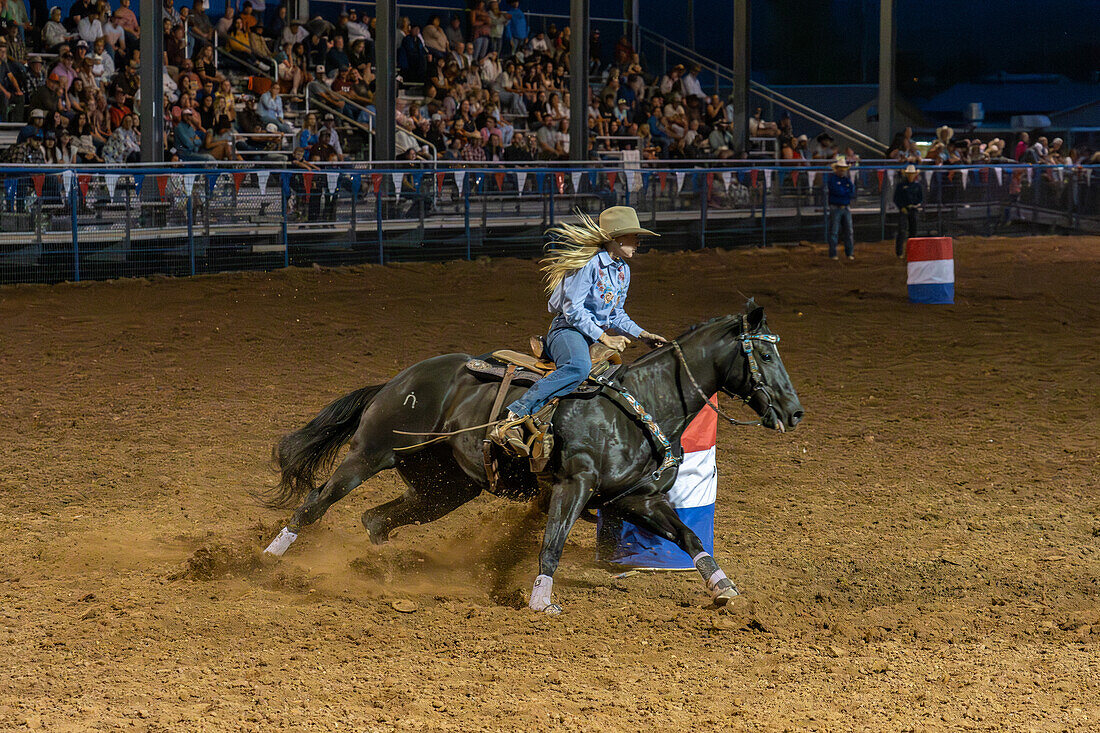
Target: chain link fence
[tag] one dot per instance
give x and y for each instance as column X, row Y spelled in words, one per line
column 125, row 222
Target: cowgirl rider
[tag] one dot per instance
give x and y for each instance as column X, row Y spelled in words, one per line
column 586, row 279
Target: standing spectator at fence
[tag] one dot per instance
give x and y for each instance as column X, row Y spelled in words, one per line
column 908, row 197
column 517, row 27
column 271, row 109
column 841, row 193
column 1037, row 152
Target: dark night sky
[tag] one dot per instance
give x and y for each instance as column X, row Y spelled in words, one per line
column 819, row 42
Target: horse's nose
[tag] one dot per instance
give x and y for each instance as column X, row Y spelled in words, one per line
column 796, row 417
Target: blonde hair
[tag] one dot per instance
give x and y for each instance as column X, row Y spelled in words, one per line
column 571, row 246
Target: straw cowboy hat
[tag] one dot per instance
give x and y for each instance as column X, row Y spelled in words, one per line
column 840, row 162
column 619, row 220
column 910, row 170
column 944, row 133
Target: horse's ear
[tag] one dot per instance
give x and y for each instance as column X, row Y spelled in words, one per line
column 755, row 318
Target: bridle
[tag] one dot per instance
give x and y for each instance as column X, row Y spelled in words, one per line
column 757, row 383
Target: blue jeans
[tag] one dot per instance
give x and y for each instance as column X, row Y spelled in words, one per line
column 841, row 215
column 568, row 347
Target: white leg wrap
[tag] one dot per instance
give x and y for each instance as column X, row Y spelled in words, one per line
column 713, row 580
column 540, row 593
column 280, row 544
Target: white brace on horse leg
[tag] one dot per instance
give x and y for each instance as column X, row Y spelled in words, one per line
column 712, row 574
column 281, row 544
column 540, row 593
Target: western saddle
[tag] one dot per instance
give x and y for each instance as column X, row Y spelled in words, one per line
column 513, row 367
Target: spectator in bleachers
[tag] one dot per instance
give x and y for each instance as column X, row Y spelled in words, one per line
column 225, row 23
column 188, row 140
column 1022, row 145
column 415, row 57
column 330, row 136
column 48, row 98
column 337, row 58
column 34, row 78
column 307, row 136
column 357, row 30
column 15, row 13
column 294, row 33
column 103, row 64
column 63, row 70
column 271, row 109
column 480, row 24
column 124, row 144
column 690, row 83
column 498, row 22
column 33, row 128
column 219, row 141
column 435, row 39
column 453, row 31
column 670, row 83
column 12, row 96
column 83, row 140
column 759, row 127
column 128, row 20
column 90, row 28
column 517, row 27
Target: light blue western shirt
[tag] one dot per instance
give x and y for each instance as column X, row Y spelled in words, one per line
column 591, row 299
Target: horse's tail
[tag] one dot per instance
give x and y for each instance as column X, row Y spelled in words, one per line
column 301, row 455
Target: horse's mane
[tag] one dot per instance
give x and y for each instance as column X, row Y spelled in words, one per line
column 655, row 353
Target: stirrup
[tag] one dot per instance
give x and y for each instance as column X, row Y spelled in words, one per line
column 509, row 435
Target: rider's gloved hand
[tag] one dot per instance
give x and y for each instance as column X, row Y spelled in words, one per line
column 652, row 340
column 618, row 343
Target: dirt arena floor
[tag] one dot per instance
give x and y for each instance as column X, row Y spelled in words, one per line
column 920, row 554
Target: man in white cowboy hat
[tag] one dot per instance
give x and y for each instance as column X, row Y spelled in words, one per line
column 841, row 191
column 908, row 197
column 587, row 279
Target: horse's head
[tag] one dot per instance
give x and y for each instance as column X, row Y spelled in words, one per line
column 756, row 373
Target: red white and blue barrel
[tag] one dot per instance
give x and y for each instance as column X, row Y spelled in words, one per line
column 693, row 495
column 931, row 267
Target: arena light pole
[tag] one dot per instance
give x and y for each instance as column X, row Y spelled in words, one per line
column 152, row 82
column 887, row 81
column 385, row 89
column 578, row 80
column 741, row 64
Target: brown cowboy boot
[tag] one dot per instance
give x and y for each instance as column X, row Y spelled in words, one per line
column 509, row 434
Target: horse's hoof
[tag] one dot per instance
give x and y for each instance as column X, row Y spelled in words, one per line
column 552, row 610
column 725, row 595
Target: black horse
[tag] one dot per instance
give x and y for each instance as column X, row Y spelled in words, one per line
column 604, row 458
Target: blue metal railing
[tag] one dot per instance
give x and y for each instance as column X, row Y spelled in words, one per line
column 102, row 222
